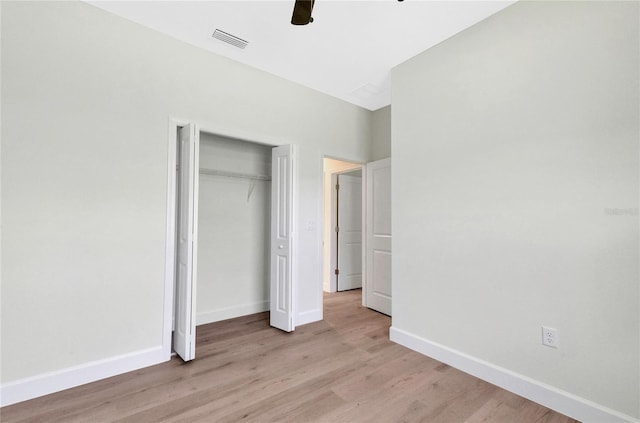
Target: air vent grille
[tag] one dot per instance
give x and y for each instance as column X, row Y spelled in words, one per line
column 229, row 39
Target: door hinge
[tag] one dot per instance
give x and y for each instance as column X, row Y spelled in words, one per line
column 337, row 228
column 337, row 187
column 337, row 272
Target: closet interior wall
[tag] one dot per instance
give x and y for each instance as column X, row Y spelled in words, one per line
column 234, row 228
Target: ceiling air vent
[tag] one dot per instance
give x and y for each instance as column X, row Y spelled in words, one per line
column 229, row 39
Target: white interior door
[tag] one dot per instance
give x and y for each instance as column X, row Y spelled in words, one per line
column 378, row 255
column 184, row 335
column 282, row 218
column 349, row 232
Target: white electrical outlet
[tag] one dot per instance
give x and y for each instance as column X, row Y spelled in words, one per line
column 550, row 337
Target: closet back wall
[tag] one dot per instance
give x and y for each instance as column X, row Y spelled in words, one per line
column 233, row 232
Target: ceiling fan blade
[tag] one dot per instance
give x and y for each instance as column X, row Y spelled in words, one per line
column 302, row 12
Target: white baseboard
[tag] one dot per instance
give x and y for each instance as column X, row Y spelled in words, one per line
column 308, row 317
column 556, row 399
column 230, row 312
column 245, row 309
column 48, row 383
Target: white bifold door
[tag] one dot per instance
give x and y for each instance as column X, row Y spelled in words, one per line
column 378, row 227
column 184, row 334
column 282, row 218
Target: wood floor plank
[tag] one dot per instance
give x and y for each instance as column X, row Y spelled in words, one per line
column 342, row 369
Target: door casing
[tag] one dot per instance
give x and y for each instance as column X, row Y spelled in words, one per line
column 330, row 167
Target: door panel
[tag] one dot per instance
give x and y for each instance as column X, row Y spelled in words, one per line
column 282, row 201
column 185, row 317
column 378, row 284
column 350, row 232
column 382, row 270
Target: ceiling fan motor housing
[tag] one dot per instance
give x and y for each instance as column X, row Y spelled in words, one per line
column 302, row 12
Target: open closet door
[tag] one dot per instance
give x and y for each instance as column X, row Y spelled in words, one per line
column 184, row 335
column 378, row 255
column 282, row 200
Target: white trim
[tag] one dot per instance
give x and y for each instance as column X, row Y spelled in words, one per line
column 47, row 383
column 295, row 233
column 333, row 239
column 319, row 228
column 230, row 312
column 365, row 282
column 195, row 174
column 556, row 399
column 309, row 316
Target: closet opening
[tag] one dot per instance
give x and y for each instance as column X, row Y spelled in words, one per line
column 229, row 228
column 234, row 203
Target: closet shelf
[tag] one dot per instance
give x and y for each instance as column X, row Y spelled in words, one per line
column 235, row 174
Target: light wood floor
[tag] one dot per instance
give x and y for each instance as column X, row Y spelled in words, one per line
column 343, row 369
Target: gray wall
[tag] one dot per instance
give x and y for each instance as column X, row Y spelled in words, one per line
column 381, row 133
column 86, row 101
column 515, row 196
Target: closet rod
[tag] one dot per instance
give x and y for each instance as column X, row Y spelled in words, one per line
column 235, row 174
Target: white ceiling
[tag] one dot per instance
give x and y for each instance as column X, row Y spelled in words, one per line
column 347, row 52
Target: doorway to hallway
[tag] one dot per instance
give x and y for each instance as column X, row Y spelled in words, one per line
column 343, row 224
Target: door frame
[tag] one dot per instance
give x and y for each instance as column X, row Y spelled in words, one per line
column 363, row 168
column 170, row 235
